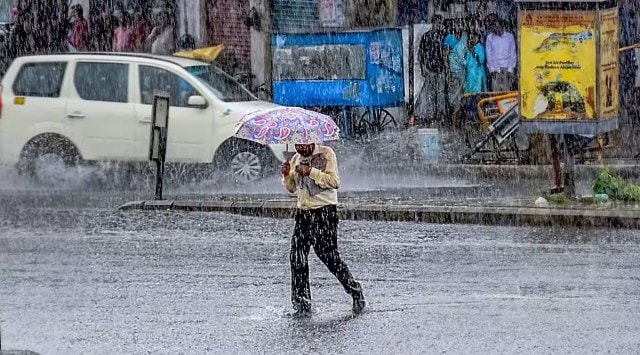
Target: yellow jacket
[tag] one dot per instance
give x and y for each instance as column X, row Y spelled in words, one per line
column 327, row 179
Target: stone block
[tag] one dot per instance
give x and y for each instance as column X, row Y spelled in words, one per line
column 216, row 206
column 190, row 206
column 130, row 206
column 158, row 205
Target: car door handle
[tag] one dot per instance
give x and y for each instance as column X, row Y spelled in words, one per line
column 75, row 115
column 146, row 120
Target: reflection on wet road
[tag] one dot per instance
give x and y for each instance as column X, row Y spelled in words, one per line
column 79, row 277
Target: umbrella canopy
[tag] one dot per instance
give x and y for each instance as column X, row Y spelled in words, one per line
column 287, row 125
column 207, row 54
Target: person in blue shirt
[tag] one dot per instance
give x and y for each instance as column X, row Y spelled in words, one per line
column 456, row 42
column 476, row 73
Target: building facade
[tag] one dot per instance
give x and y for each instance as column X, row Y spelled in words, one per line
column 225, row 23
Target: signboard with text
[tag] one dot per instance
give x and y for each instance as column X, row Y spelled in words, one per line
column 558, row 65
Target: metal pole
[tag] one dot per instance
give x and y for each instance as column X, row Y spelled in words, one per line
column 569, row 168
column 160, row 162
column 159, row 174
column 410, row 107
column 555, row 163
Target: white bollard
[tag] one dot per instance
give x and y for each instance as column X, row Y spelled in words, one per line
column 429, row 142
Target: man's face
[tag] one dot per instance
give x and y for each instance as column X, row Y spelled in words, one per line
column 305, row 149
column 497, row 28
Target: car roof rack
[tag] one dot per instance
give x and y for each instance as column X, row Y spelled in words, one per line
column 164, row 58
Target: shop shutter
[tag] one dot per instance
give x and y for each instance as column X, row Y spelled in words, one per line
column 295, row 15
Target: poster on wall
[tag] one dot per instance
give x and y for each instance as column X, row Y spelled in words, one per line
column 331, row 13
column 558, row 65
column 374, row 52
column 609, row 70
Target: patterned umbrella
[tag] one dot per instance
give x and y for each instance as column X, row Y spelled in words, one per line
column 287, row 125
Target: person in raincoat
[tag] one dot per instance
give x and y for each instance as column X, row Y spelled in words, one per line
column 312, row 174
column 457, row 45
column 476, row 74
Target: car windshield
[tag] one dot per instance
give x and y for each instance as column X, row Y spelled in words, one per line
column 222, row 85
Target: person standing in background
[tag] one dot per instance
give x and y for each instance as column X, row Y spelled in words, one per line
column 433, row 66
column 123, row 34
column 456, row 42
column 476, row 80
column 79, row 38
column 103, row 28
column 141, row 30
column 502, row 57
column 162, row 37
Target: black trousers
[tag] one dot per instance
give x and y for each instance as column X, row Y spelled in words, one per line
column 317, row 228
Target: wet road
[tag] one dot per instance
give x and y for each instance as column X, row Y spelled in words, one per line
column 77, row 276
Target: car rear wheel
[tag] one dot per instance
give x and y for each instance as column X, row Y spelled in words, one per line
column 48, row 160
column 49, row 169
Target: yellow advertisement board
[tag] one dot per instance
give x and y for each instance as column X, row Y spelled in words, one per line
column 558, row 65
column 609, row 69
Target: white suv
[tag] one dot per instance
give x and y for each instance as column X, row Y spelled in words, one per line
column 74, row 108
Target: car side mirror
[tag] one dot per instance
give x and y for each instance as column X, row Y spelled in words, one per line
column 197, row 102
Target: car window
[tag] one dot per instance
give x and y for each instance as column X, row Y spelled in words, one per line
column 40, row 79
column 107, row 82
column 221, row 84
column 157, row 81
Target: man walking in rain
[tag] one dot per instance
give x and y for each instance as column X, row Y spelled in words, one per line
column 313, row 175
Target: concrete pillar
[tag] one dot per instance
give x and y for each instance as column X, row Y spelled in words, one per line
column 189, row 20
column 261, row 44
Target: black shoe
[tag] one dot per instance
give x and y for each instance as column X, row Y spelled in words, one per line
column 359, row 303
column 301, row 310
column 300, row 313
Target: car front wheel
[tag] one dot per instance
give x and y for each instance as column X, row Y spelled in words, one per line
column 247, row 167
column 244, row 162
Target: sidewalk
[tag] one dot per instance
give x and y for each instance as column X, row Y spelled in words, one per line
column 448, row 193
column 506, row 211
column 623, row 168
column 401, row 151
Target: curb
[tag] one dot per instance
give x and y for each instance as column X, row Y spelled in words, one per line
column 504, row 216
column 503, row 172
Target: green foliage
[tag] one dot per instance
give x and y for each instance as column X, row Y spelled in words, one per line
column 615, row 187
column 631, row 193
column 558, row 199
